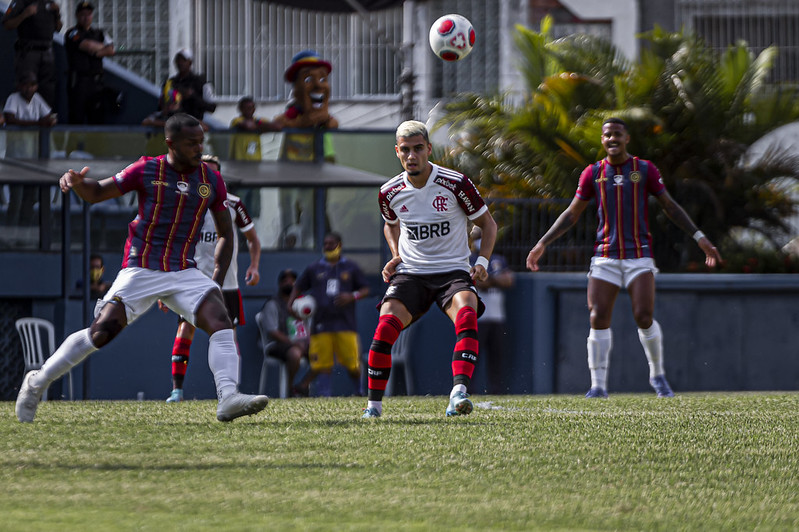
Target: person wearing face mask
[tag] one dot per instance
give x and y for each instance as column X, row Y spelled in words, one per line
column 285, row 336
column 491, row 330
column 97, row 285
column 336, row 283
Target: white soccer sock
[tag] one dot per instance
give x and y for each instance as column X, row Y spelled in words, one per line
column 600, row 341
column 223, row 359
column 652, row 340
column 457, row 388
column 71, row 352
column 377, row 405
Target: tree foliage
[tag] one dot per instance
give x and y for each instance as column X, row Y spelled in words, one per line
column 691, row 110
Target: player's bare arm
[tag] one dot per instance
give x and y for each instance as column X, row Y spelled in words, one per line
column 489, row 237
column 681, row 219
column 392, row 234
column 564, row 222
column 254, row 245
column 87, row 188
column 224, row 246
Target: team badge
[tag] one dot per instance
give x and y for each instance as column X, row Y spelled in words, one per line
column 635, row 176
column 440, row 203
column 204, row 190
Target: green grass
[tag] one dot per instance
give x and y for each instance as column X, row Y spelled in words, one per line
column 633, row 462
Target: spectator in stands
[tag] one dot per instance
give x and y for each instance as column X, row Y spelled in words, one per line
column 27, row 107
column 336, row 283
column 197, row 95
column 169, row 105
column 246, row 144
column 491, row 324
column 86, row 46
column 284, row 336
column 204, row 256
column 97, row 285
column 35, row 21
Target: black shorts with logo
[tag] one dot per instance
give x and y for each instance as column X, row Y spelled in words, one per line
column 419, row 292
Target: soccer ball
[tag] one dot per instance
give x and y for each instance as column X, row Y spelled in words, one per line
column 304, row 306
column 452, row 37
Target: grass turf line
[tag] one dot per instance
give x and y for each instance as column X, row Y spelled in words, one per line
column 698, row 461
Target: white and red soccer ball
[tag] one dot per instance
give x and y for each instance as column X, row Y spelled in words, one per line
column 452, row 37
column 304, row 307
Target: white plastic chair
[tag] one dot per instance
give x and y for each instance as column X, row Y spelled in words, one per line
column 31, row 331
column 400, row 354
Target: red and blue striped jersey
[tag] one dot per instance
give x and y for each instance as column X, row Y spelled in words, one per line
column 622, row 194
column 171, row 210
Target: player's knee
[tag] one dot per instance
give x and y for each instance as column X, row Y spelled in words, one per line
column 102, row 332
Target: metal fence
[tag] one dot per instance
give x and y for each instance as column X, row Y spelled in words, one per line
column 761, row 23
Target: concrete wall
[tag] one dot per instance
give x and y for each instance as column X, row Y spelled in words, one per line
column 721, row 332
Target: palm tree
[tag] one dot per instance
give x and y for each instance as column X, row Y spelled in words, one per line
column 692, row 111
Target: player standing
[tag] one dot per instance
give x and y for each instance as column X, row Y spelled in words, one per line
column 621, row 185
column 426, row 211
column 173, row 191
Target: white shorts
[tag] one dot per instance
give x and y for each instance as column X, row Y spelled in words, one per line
column 620, row 272
column 139, row 288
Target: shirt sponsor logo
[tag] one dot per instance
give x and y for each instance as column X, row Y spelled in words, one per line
column 466, row 201
column 446, row 183
column 393, row 192
column 425, row 231
column 183, row 187
column 208, row 236
column 440, row 203
column 618, row 180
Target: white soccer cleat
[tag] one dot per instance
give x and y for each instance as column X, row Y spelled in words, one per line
column 27, row 400
column 239, row 404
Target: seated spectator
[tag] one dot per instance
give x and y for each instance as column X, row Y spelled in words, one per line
column 26, row 107
column 246, row 145
column 285, row 337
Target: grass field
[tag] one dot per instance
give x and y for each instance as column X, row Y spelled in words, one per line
column 633, row 462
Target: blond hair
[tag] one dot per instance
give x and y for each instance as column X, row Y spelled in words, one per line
column 411, row 128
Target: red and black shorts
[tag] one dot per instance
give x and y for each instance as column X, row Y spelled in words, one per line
column 419, row 292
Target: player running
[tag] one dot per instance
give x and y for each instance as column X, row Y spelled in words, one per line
column 173, row 191
column 426, row 211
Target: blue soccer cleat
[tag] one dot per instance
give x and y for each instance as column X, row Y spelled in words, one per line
column 370, row 413
column 597, row 393
column 459, row 405
column 176, row 396
column 661, row 386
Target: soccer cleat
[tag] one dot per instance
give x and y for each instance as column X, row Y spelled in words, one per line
column 27, row 400
column 661, row 386
column 370, row 413
column 176, row 396
column 459, row 405
column 597, row 393
column 239, row 404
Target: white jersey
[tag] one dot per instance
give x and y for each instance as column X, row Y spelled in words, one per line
column 433, row 220
column 206, row 246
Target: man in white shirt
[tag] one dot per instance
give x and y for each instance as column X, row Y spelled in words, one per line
column 426, row 210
